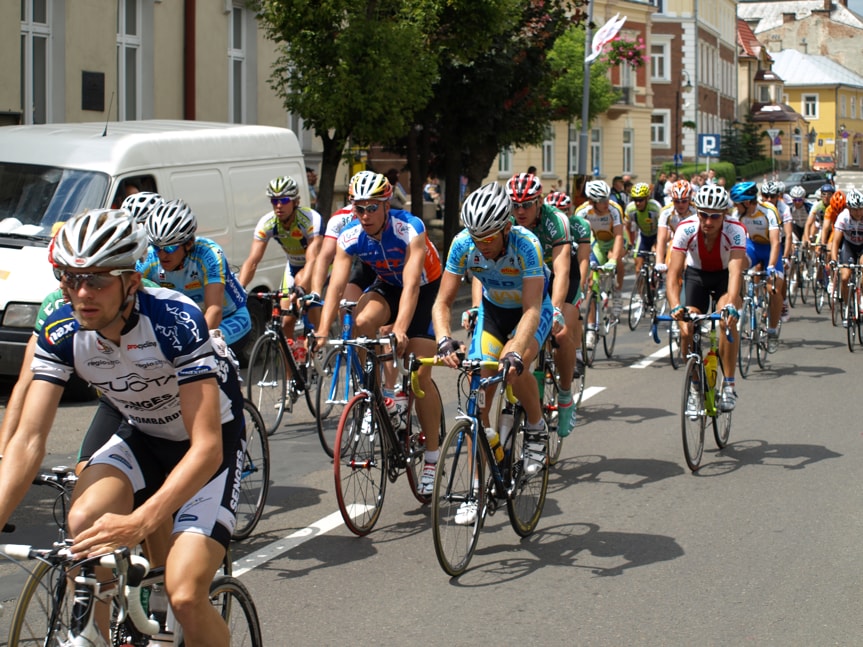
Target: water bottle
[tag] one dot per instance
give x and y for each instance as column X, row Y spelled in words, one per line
column 494, row 443
column 506, row 422
column 299, row 349
column 710, row 366
column 539, row 376
column 401, row 400
column 392, row 411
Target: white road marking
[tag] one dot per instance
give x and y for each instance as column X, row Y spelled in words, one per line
column 662, row 353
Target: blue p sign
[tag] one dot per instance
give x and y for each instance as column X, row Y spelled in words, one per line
column 708, row 145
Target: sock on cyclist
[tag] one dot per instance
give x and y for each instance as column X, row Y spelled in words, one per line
column 431, row 457
column 564, row 396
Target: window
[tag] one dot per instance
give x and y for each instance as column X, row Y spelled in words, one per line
column 853, row 107
column 843, row 106
column 128, row 59
column 35, row 61
column 628, row 139
column 810, row 106
column 574, row 136
column 548, row 152
column 659, row 128
column 659, row 62
column 596, row 151
column 764, row 94
column 237, row 66
column 659, row 4
column 504, row 162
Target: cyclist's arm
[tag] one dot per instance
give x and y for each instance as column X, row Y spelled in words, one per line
column 475, row 292
column 338, row 281
column 617, row 250
column 533, row 291
column 807, row 229
column 322, row 266
column 442, row 308
column 789, row 238
column 26, row 448
column 584, row 264
column 214, row 302
column 774, row 247
column 561, row 256
column 676, row 265
column 250, row 265
column 835, row 243
column 16, row 399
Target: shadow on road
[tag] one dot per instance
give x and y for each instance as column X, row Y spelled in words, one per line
column 791, row 456
column 627, row 473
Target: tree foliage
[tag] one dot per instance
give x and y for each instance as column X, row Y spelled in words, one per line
column 566, row 61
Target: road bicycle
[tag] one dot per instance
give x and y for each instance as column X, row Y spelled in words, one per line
column 340, row 377
column 599, row 311
column 851, row 317
column 254, row 475
column 647, row 298
column 548, row 380
column 702, row 392
column 371, row 450
column 753, row 322
column 463, row 496
column 837, row 303
column 68, row 590
column 275, row 379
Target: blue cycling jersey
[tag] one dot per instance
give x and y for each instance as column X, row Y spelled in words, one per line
column 502, row 278
column 203, row 265
column 387, row 255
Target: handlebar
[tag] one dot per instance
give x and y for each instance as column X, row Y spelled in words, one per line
column 468, row 365
column 368, row 343
column 691, row 317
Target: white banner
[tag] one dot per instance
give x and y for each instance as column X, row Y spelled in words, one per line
column 604, row 35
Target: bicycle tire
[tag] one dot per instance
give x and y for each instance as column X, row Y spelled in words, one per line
column 637, row 301
column 802, row 282
column 550, row 411
column 837, row 308
column 579, row 377
column 850, row 326
column 592, row 303
column 334, row 390
column 236, row 606
column 761, row 336
column 722, row 420
column 310, row 373
column 415, row 442
column 459, row 479
column 266, row 380
column 255, row 475
column 792, row 285
column 609, row 327
column 818, row 288
column 525, row 504
column 692, row 421
column 360, row 469
column 675, row 350
column 30, row 620
column 746, row 337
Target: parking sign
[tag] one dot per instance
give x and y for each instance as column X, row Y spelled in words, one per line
column 708, row 145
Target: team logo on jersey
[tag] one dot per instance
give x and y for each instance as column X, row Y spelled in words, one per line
column 141, row 346
column 510, row 271
column 60, row 330
column 102, row 347
column 191, row 371
column 149, row 363
column 194, row 285
column 101, row 362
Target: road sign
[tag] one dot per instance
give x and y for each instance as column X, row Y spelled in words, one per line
column 595, row 171
column 773, row 132
column 678, row 159
column 708, row 145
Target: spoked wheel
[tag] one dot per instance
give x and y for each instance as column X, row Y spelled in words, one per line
column 761, row 337
column 747, row 340
column 637, row 302
column 336, row 385
column 579, row 378
column 837, row 309
column 528, row 497
column 415, row 445
column 266, row 380
column 255, row 474
column 30, row 621
column 458, row 500
column 590, row 352
column 550, row 412
column 802, row 282
column 819, row 290
column 234, row 603
column 360, row 469
column 851, row 326
column 722, row 420
column 792, row 285
column 692, row 414
column 675, row 349
column 609, row 330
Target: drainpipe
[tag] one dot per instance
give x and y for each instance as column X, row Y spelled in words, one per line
column 189, row 59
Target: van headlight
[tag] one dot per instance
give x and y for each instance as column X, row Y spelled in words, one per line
column 21, row 315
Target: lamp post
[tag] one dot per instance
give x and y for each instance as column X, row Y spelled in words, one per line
column 679, row 109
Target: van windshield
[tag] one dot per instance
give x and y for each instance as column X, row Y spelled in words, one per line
column 33, row 197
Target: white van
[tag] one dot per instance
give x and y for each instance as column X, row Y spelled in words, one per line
column 51, row 172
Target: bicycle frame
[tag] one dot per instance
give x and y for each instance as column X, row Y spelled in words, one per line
column 349, row 361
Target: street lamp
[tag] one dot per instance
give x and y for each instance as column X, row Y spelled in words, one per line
column 679, row 108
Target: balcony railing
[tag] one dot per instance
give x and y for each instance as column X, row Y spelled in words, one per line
column 624, row 94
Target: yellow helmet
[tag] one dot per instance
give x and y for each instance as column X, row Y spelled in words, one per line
column 640, row 190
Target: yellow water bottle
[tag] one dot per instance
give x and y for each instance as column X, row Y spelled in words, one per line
column 494, row 443
column 710, row 366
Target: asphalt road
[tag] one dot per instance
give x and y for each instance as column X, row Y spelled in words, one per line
column 759, row 547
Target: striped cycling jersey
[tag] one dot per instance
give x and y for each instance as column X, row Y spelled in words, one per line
column 501, row 279
column 387, row 255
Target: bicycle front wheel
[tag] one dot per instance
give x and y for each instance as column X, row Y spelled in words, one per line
column 747, row 340
column 415, row 445
column 234, row 603
column 458, row 500
column 850, row 325
column 336, row 385
column 792, row 285
column 722, row 420
column 360, row 469
column 528, row 492
column 609, row 330
column 761, row 335
column 692, row 414
column 44, row 608
column 675, row 349
column 636, row 302
column 551, row 413
column 255, row 474
column 266, row 379
column 592, row 305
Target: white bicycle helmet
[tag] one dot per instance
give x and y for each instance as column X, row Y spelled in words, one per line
column 770, row 189
column 103, row 238
column 369, row 185
column 171, row 223
column 712, row 196
column 854, row 199
column 141, row 204
column 798, row 192
column 597, row 190
column 283, row 187
column 487, row 210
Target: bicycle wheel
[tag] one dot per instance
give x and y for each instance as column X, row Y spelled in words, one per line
column 551, row 387
column 837, row 309
column 528, row 492
column 579, row 378
column 692, row 415
column 590, row 354
column 747, row 339
column 637, row 302
column 457, row 489
column 336, row 384
column 47, row 589
column 818, row 288
column 415, row 444
column 761, row 335
column 722, row 420
column 802, row 281
column 266, row 381
column 609, row 330
column 255, row 475
column 792, row 285
column 675, row 349
column 234, row 603
column 360, row 469
column 310, row 373
column 850, row 325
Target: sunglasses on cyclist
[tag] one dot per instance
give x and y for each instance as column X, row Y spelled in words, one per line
column 93, row 280
column 487, row 240
column 527, row 204
column 797, row 200
column 166, row 249
column 275, row 201
column 681, row 201
column 369, row 208
column 710, row 216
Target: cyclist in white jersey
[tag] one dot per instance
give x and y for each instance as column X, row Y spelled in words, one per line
column 847, row 242
column 177, row 454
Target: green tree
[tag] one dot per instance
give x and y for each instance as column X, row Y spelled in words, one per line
column 354, row 71
column 566, row 61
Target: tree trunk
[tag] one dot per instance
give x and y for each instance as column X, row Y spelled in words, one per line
column 330, row 161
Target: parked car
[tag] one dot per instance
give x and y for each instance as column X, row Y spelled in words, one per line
column 809, row 180
column 824, row 163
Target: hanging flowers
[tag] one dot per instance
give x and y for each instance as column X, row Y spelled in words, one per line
column 624, row 50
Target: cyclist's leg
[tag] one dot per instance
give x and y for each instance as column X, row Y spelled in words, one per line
column 421, row 341
column 697, row 299
column 372, row 312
